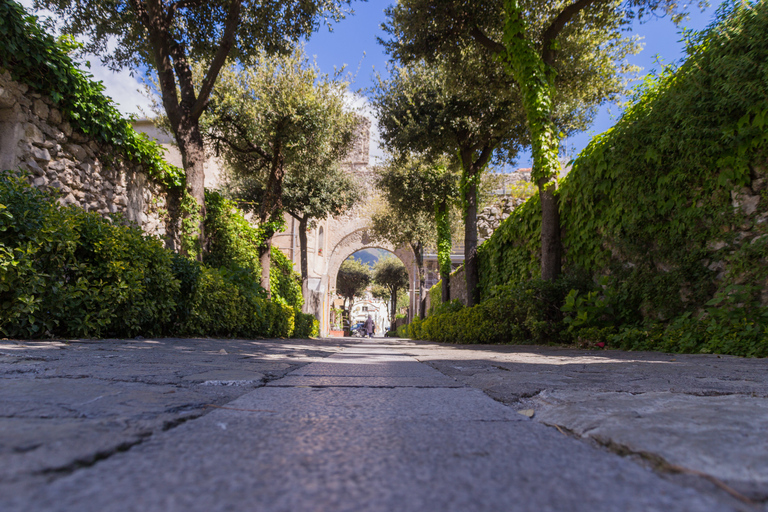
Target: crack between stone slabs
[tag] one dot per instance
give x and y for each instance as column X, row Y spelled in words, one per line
column 657, row 463
column 92, row 460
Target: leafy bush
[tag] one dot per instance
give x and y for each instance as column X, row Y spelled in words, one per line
column 65, row 272
column 402, row 331
column 284, row 281
column 232, row 240
column 74, row 273
column 528, row 312
column 306, row 326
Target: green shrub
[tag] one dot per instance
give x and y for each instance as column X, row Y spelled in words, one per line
column 402, row 331
column 306, row 326
column 528, row 312
column 414, row 329
column 232, row 240
column 218, row 308
column 435, row 296
column 65, row 272
column 732, row 323
column 284, row 281
column 281, row 320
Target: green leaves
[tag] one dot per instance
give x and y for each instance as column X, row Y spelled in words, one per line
column 40, row 61
column 68, row 273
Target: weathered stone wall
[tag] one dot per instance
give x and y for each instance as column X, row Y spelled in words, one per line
column 35, row 137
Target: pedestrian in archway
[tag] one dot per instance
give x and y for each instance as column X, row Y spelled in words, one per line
column 370, row 326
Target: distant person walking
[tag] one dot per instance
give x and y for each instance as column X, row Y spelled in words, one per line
column 370, row 327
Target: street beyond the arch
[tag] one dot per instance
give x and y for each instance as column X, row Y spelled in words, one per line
column 377, row 424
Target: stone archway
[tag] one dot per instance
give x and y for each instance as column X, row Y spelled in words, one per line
column 356, row 240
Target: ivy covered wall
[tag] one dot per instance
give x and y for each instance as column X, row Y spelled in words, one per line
column 58, row 125
column 672, row 202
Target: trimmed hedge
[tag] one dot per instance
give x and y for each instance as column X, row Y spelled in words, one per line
column 68, row 273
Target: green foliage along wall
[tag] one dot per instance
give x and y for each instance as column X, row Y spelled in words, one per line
column 671, row 202
column 68, row 273
column 36, row 59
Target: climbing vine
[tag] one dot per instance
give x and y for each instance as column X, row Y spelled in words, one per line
column 42, row 62
column 444, row 244
column 536, row 86
column 660, row 201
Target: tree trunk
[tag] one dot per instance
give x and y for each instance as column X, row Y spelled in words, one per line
column 444, row 246
column 304, row 265
column 393, row 312
column 471, row 270
column 535, row 74
column 551, row 246
column 265, row 258
column 192, row 151
column 418, row 251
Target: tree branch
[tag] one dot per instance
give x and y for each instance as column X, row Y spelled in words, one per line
column 180, row 4
column 249, row 148
column 557, row 25
column 160, row 39
column 226, row 44
column 184, row 74
column 485, row 41
column 141, row 11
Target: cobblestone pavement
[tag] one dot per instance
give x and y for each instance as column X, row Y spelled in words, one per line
column 361, row 425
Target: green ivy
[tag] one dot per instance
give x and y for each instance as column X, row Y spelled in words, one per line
column 648, row 212
column 36, row 59
column 284, row 281
column 444, row 244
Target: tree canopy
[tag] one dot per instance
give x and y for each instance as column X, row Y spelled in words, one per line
column 168, row 36
column 279, row 118
column 556, row 52
column 390, row 273
column 417, row 188
column 353, row 278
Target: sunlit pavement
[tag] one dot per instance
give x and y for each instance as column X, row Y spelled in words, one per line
column 363, row 426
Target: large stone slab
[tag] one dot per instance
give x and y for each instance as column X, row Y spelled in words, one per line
column 722, row 436
column 384, row 456
column 430, row 381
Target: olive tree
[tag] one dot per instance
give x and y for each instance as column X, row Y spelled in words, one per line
column 390, row 273
column 417, row 187
column 166, row 37
column 353, row 278
column 280, row 118
column 551, row 49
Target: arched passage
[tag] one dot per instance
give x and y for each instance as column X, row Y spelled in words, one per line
column 351, row 243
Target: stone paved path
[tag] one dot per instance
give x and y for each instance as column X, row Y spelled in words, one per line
column 366, row 428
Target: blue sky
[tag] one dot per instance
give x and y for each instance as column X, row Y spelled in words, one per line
column 353, row 43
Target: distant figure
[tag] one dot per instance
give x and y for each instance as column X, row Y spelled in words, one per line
column 370, row 327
